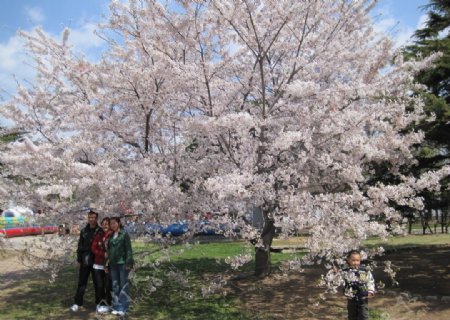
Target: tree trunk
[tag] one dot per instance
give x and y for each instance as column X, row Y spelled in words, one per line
column 148, row 146
column 262, row 254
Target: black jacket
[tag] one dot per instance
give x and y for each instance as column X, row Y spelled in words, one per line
column 84, row 242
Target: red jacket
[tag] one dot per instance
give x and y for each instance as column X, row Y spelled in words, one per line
column 98, row 247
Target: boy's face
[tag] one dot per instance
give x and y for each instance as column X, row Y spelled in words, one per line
column 354, row 260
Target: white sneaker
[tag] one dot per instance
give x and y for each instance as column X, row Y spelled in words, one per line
column 102, row 309
column 115, row 312
column 75, row 307
column 120, row 313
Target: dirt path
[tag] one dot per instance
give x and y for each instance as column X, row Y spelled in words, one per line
column 10, row 258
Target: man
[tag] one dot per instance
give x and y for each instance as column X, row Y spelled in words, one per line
column 85, row 258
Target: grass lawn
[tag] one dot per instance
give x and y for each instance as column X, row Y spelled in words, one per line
column 199, row 262
column 393, row 242
column 29, row 295
column 411, row 241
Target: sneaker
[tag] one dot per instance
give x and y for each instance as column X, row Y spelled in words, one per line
column 120, row 313
column 75, row 307
column 115, row 312
column 102, row 309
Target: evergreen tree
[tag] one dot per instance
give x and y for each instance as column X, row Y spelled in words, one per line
column 433, row 153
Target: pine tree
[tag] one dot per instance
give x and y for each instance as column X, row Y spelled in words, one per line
column 433, row 153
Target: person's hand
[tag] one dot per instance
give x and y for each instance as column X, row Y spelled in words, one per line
column 106, row 270
column 78, row 265
column 106, row 255
column 370, row 294
column 128, row 268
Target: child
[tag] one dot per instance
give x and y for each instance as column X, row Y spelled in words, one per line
column 359, row 285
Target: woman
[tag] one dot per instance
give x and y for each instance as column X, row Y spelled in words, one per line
column 120, row 256
column 102, row 279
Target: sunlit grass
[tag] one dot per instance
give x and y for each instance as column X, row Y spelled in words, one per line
column 411, row 241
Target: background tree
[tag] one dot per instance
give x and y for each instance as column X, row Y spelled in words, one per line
column 7, row 181
column 433, row 152
column 279, row 105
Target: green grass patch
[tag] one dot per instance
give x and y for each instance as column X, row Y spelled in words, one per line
column 207, row 257
column 410, row 241
column 202, row 264
column 377, row 315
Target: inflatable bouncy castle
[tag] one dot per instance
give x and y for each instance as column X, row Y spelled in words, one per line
column 19, row 221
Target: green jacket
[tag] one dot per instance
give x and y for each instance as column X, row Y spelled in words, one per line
column 119, row 249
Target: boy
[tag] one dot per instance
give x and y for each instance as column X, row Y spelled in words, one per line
column 359, row 285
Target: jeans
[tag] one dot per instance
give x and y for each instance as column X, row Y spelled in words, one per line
column 120, row 286
column 103, row 292
column 83, row 278
column 358, row 309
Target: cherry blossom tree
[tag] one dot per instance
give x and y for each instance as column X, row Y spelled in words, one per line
column 284, row 106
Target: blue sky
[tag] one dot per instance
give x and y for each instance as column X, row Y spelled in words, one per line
column 81, row 16
column 399, row 18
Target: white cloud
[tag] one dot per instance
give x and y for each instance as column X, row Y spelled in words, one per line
column 16, row 65
column 35, row 14
column 8, row 53
column 444, row 33
column 84, row 38
column 13, row 65
column 423, row 19
column 398, row 31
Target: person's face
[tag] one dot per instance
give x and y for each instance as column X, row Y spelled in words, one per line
column 92, row 219
column 114, row 225
column 105, row 226
column 354, row 260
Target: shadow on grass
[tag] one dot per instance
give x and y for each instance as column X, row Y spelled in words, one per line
column 30, row 295
column 184, row 300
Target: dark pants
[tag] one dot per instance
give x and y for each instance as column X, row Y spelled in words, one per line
column 103, row 283
column 358, row 309
column 83, row 278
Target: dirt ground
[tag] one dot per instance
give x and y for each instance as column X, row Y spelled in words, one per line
column 423, row 292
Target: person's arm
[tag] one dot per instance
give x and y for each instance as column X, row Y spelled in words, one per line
column 79, row 248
